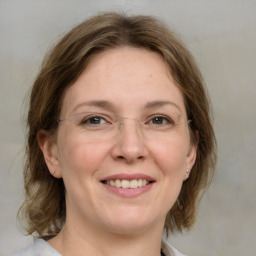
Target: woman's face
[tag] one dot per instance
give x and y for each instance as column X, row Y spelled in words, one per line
column 124, row 146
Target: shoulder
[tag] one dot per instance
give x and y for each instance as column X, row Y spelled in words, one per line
column 38, row 248
column 170, row 250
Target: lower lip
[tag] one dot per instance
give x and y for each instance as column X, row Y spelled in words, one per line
column 129, row 192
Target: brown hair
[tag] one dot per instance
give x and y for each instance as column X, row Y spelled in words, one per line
column 44, row 205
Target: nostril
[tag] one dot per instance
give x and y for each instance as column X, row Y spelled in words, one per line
column 129, row 158
column 129, row 148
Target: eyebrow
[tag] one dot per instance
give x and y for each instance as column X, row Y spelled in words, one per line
column 109, row 106
column 95, row 103
column 160, row 103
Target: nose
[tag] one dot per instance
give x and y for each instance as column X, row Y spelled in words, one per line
column 129, row 144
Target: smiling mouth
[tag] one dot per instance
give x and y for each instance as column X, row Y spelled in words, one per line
column 135, row 183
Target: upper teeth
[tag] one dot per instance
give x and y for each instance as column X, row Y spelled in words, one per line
column 127, row 183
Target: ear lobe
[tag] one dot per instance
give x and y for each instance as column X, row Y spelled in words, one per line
column 191, row 158
column 50, row 152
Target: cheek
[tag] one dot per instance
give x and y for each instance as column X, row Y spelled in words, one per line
column 78, row 158
column 170, row 156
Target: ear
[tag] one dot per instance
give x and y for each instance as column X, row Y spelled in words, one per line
column 48, row 147
column 190, row 160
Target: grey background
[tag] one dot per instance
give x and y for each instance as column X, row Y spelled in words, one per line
column 221, row 35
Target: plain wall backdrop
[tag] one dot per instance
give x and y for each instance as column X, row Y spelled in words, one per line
column 221, row 34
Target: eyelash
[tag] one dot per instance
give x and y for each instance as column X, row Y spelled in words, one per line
column 91, row 117
column 164, row 118
column 168, row 120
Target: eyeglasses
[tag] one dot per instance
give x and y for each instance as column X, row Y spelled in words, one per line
column 99, row 126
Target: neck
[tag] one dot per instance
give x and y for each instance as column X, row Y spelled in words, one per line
column 91, row 241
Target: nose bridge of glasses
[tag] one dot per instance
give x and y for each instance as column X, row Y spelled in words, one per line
column 123, row 121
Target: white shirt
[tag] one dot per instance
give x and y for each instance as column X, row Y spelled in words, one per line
column 41, row 248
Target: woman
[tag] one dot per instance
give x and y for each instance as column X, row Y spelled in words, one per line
column 120, row 141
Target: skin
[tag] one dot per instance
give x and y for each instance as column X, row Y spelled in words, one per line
column 128, row 79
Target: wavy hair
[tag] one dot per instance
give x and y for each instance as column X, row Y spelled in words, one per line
column 44, row 210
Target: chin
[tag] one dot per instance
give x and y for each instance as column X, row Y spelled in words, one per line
column 132, row 221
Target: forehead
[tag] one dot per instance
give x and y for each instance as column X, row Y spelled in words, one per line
column 124, row 76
